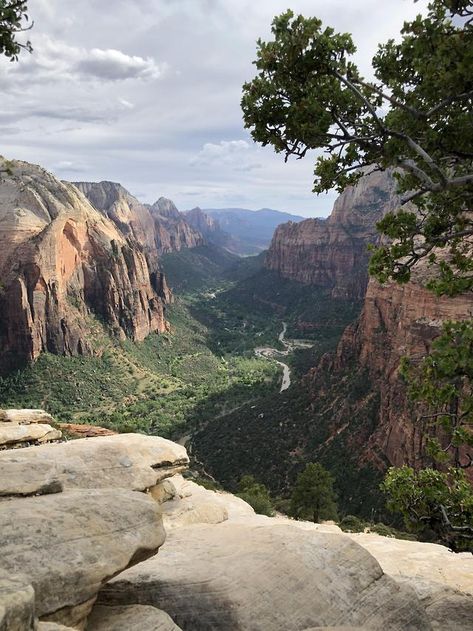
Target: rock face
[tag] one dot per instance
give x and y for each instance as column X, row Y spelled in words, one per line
column 19, row 428
column 68, row 544
column 332, row 253
column 396, row 320
column 160, row 228
column 250, row 577
column 209, row 228
column 123, row 461
column 222, row 566
column 61, row 261
column 172, row 231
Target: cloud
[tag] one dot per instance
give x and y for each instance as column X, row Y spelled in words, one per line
column 54, row 60
column 113, row 65
column 236, row 153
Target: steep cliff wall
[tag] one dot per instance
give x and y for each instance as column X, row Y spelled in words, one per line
column 160, row 228
column 362, row 378
column 209, row 228
column 172, row 231
column 61, row 259
column 332, row 253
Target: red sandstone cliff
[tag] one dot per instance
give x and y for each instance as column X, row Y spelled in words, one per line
column 159, row 228
column 60, row 261
column 332, row 253
column 396, row 320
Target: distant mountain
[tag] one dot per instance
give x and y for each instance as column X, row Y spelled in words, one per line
column 251, row 231
column 209, row 228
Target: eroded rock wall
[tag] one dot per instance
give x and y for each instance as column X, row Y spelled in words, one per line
column 62, row 260
column 333, row 253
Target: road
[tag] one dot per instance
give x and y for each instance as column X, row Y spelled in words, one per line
column 273, row 353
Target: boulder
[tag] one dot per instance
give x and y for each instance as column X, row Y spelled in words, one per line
column 68, row 544
column 447, row 608
column 128, row 461
column 16, row 603
column 416, row 561
column 12, row 434
column 25, row 417
column 77, row 430
column 139, row 617
column 184, row 502
column 19, row 478
column 238, row 576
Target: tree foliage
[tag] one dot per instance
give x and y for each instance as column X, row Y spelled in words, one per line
column 256, row 495
column 435, row 504
column 13, row 16
column 313, row 496
column 442, row 382
column 415, row 117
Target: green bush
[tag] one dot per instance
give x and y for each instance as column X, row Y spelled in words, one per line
column 351, row 523
column 256, row 495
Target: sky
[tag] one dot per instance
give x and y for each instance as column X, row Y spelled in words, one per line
column 147, row 93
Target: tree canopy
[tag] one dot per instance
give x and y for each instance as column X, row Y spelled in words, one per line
column 13, row 20
column 436, row 504
column 313, row 496
column 442, row 382
column 415, row 116
column 256, row 495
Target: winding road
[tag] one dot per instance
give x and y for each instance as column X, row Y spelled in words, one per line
column 273, row 353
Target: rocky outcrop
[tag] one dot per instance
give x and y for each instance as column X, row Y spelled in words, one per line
column 396, row 320
column 19, row 428
column 75, row 430
column 332, row 253
column 68, row 544
column 209, row 228
column 236, row 576
column 82, row 523
column 239, row 572
column 172, row 231
column 125, row 461
column 60, row 262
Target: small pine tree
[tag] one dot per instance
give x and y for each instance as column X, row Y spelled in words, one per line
column 313, row 496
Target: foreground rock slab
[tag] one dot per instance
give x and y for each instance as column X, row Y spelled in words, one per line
column 12, row 434
column 128, row 461
column 16, row 603
column 139, row 617
column 25, row 416
column 68, row 544
column 18, row 478
column 242, row 577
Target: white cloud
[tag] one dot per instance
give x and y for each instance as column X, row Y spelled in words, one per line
column 54, row 60
column 113, row 65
